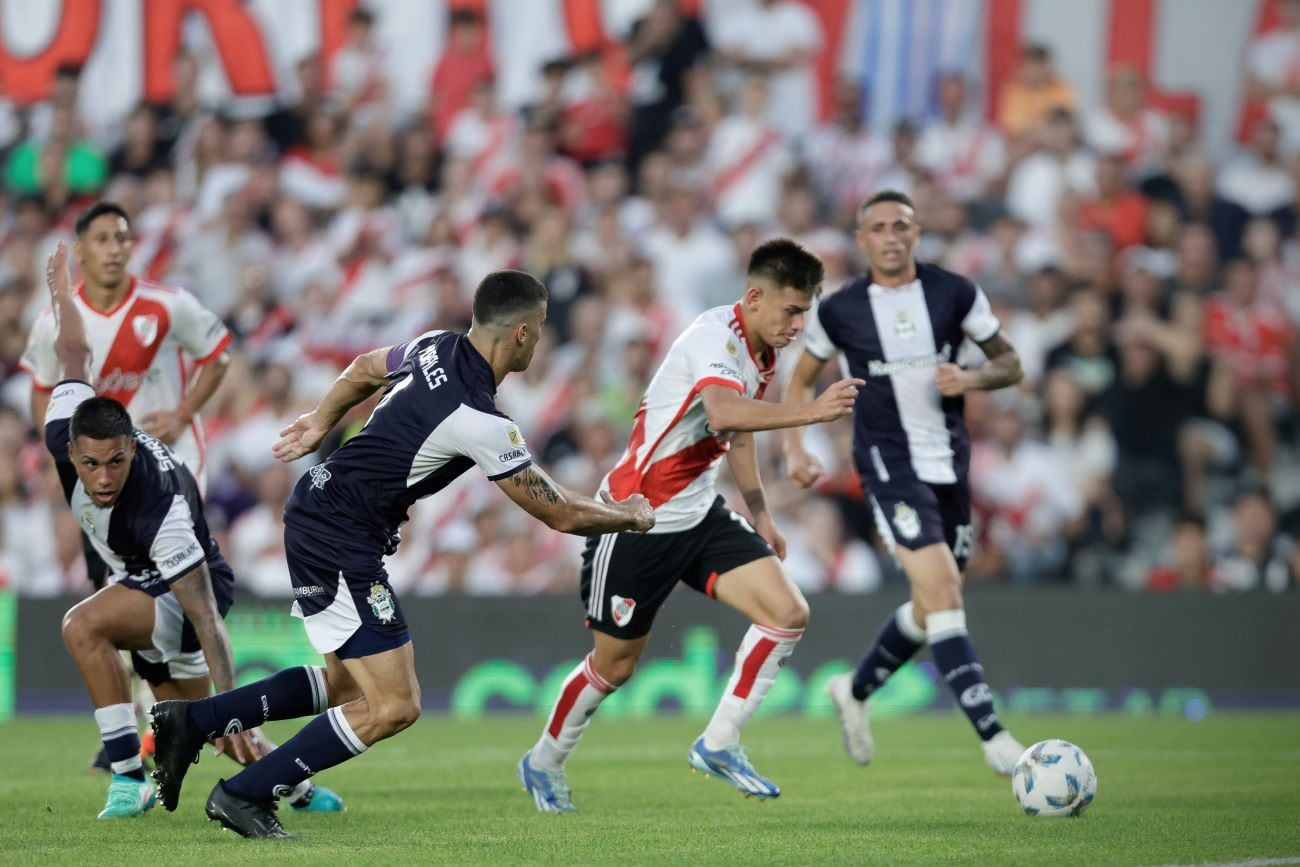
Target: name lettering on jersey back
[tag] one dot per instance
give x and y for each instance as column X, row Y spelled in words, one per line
column 875, row 367
column 157, row 449
column 434, row 375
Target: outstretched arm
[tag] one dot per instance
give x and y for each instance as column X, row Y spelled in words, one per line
column 560, row 509
column 802, row 467
column 363, row 377
column 1001, row 369
column 742, row 457
column 70, row 343
column 730, row 411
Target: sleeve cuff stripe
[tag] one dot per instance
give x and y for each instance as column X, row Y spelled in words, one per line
column 510, row 472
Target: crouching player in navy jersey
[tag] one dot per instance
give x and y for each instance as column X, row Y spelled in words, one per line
column 167, row 588
column 436, row 420
column 899, row 328
column 703, row 404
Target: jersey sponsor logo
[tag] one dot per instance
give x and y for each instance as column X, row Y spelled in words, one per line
column 319, row 476
column 975, row 695
column 145, row 328
column 904, row 327
column 513, row 434
column 118, row 380
column 725, row 369
column 512, row 455
column 876, row 367
column 906, row 521
column 177, row 559
column 381, row 603
column 621, row 609
column 313, row 590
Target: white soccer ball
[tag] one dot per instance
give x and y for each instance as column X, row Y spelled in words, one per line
column 1054, row 778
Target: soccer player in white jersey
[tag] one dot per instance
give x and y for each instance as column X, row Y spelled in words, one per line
column 900, row 327
column 703, row 404
column 146, row 341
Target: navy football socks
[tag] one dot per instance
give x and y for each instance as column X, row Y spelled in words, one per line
column 326, row 741
column 287, row 694
column 899, row 640
column 955, row 658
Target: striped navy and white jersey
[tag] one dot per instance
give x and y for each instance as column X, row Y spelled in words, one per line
column 436, row 419
column 894, row 338
column 155, row 532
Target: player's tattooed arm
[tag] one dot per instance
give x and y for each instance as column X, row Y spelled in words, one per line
column 1001, row 369
column 536, row 485
column 534, row 492
column 194, row 593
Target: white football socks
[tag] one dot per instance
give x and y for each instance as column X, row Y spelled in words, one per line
column 759, row 659
column 581, row 694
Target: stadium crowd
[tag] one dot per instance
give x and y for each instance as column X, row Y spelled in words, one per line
column 1152, row 292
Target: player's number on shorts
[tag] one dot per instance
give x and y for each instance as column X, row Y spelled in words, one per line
column 963, row 541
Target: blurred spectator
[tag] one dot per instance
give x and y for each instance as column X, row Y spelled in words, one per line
column 843, row 156
column 1058, row 166
column 1258, row 556
column 664, row 51
column 1116, row 208
column 1127, row 127
column 356, row 72
column 967, row 156
column 1273, row 61
column 1030, row 509
column 823, row 556
column 780, row 38
column 1041, row 325
column 1028, row 100
column 1189, row 567
column 594, row 118
column 1257, row 182
column 465, row 65
column 255, row 540
column 1251, row 345
column 746, row 160
column 1088, row 356
column 688, row 253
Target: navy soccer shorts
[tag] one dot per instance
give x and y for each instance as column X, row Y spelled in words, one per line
column 915, row 514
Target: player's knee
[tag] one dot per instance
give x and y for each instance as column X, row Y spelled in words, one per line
column 792, row 614
column 78, row 627
column 619, row 670
column 396, row 716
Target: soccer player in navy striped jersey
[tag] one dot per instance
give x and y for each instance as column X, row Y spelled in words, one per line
column 899, row 328
column 436, row 420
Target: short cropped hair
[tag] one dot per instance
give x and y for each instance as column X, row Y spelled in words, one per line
column 786, row 263
column 503, row 297
column 100, row 418
column 886, row 196
column 98, row 210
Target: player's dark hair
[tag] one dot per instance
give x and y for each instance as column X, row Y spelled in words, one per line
column 100, row 418
column 98, row 210
column 503, row 297
column 786, row 263
column 886, row 196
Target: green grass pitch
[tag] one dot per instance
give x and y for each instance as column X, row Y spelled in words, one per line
column 1225, row 789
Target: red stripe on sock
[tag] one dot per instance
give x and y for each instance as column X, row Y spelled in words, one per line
column 568, row 698
column 596, row 680
column 749, row 671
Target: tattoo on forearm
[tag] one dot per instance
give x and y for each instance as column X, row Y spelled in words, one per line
column 755, row 501
column 536, row 485
column 1003, row 366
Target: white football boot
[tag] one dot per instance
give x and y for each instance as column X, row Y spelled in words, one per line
column 855, row 718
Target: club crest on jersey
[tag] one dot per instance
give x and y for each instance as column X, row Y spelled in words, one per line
column 622, row 609
column 904, row 328
column 381, row 602
column 88, row 519
column 145, row 327
column 906, row 521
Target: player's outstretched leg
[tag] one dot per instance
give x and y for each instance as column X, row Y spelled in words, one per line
column 899, row 639
column 956, row 660
column 541, row 770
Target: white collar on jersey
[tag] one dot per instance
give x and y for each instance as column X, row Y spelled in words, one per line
column 877, row 290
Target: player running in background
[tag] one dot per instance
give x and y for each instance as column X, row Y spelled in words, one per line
column 704, row 402
column 900, row 328
column 437, row 419
column 146, row 340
